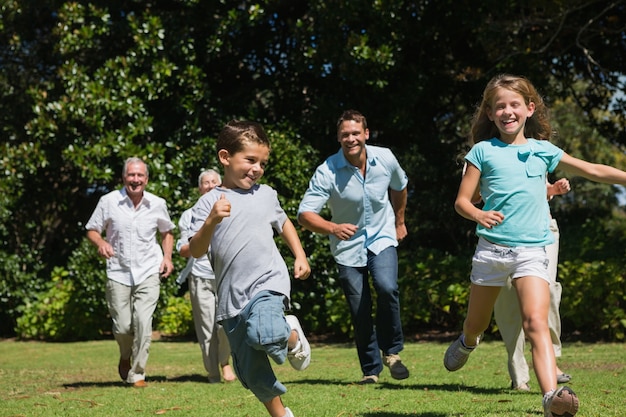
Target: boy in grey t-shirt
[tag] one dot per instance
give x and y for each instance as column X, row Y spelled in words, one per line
column 237, row 220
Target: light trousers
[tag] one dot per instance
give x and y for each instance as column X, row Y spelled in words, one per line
column 509, row 319
column 211, row 336
column 131, row 309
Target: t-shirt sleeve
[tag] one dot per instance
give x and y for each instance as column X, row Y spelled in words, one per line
column 557, row 154
column 279, row 216
column 475, row 156
column 199, row 213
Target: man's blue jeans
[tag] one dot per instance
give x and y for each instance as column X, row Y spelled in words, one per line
column 385, row 331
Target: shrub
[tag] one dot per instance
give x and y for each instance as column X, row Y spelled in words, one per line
column 46, row 316
column 21, row 281
column 434, row 288
column 176, row 318
column 593, row 304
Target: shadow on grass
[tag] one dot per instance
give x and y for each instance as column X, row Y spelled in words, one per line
column 156, row 378
column 198, row 378
column 387, row 414
column 97, row 384
column 189, row 378
column 442, row 387
column 402, row 387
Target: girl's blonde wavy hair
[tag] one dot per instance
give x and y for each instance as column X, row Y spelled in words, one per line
column 537, row 126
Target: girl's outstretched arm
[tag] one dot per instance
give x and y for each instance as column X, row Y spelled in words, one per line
column 595, row 172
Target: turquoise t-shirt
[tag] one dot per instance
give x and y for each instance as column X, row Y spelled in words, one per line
column 513, row 182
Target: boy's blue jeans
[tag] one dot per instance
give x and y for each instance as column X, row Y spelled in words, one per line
column 258, row 332
column 385, row 331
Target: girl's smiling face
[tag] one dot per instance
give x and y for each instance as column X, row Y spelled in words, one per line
column 244, row 168
column 509, row 112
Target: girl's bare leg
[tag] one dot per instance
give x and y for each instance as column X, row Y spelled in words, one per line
column 534, row 297
column 479, row 311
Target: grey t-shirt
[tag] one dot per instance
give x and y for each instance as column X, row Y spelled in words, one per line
column 243, row 252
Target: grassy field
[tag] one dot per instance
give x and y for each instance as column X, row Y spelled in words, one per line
column 80, row 379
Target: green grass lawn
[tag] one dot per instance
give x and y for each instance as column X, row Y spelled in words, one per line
column 80, row 379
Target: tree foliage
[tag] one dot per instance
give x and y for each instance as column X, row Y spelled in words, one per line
column 86, row 84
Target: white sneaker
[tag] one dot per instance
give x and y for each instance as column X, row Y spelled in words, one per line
column 456, row 356
column 289, row 413
column 562, row 403
column 300, row 356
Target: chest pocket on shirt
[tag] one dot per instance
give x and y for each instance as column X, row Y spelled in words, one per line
column 378, row 192
column 535, row 166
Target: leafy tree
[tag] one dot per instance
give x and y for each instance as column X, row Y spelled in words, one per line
column 86, row 84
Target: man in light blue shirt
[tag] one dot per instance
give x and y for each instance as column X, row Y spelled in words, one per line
column 366, row 191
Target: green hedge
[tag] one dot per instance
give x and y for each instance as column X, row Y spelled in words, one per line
column 593, row 305
column 434, row 293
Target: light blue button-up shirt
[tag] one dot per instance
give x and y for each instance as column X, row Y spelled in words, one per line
column 353, row 199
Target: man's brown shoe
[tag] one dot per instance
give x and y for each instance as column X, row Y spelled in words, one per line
column 140, row 384
column 123, row 367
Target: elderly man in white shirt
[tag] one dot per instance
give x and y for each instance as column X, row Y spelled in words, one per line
column 130, row 218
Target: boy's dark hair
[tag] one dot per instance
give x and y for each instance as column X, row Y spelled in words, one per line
column 237, row 132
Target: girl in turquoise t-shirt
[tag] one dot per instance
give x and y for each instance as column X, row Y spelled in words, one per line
column 508, row 164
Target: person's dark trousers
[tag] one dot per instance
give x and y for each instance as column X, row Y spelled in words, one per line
column 385, row 331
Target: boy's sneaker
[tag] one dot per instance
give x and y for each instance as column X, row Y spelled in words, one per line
column 289, row 413
column 300, row 356
column 396, row 367
column 456, row 355
column 562, row 403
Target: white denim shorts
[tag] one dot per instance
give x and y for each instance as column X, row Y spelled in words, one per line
column 493, row 264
